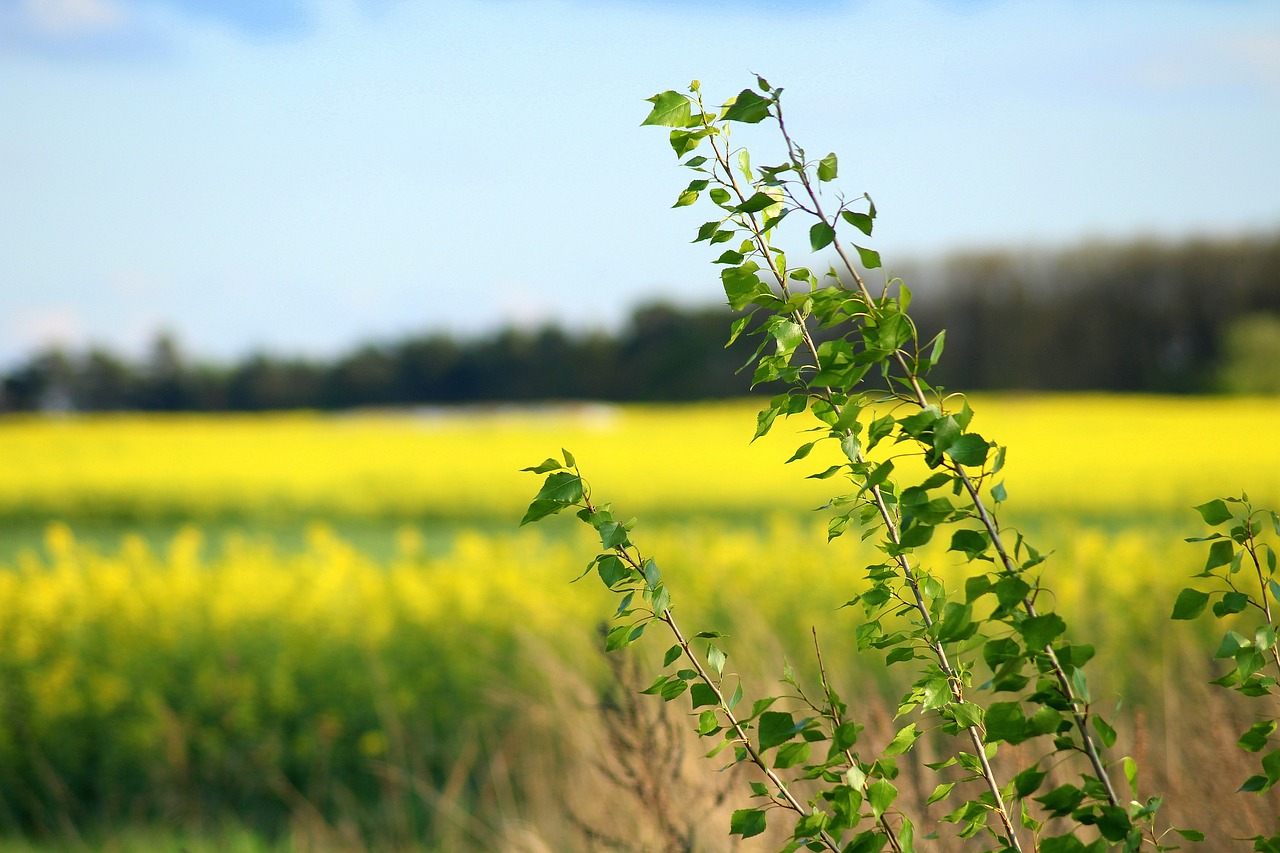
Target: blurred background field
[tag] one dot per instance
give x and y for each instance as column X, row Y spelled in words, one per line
column 326, row 632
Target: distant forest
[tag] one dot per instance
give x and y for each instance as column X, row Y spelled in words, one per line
column 1189, row 317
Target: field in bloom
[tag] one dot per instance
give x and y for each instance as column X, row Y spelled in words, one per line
column 214, row 673
column 1091, row 455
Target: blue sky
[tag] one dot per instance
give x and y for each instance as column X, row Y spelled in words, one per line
column 301, row 175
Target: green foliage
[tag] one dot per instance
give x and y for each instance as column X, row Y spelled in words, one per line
column 850, row 358
column 1242, row 592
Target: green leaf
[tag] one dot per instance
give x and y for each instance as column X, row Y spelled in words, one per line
column 1040, row 631
column 940, row 793
column 969, row 449
column 821, row 235
column 775, row 728
column 1190, row 604
column 756, row 203
column 702, row 694
column 716, row 659
column 1214, row 512
column 1061, row 844
column 827, row 168
column 880, row 795
column 672, row 655
column 1255, row 739
column 748, row 107
column 792, row 754
column 612, row 571
column 1105, row 732
column 747, row 822
column 670, row 109
column 801, row 452
column 1131, row 774
column 1220, row 554
column 1062, row 800
column 967, row 714
column 652, row 576
column 612, row 535
column 1114, row 823
column 563, row 486
column 1028, row 781
column 686, row 198
column 1005, row 722
column 541, row 509
column 971, row 543
column 622, row 636
column 1231, row 602
column 870, row 258
column 902, row 742
column 548, row 465
column 858, row 220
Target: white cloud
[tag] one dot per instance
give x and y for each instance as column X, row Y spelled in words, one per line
column 72, row 18
column 1238, row 60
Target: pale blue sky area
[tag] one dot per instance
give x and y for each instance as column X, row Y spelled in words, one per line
column 302, row 175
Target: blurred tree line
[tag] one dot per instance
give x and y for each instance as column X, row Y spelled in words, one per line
column 1195, row 316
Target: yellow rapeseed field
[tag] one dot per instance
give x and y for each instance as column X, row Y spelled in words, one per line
column 1089, row 453
column 230, row 673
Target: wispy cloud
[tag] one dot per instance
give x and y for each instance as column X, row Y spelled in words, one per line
column 134, row 29
column 1244, row 60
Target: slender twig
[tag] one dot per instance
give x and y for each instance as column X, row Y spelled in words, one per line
column 836, row 720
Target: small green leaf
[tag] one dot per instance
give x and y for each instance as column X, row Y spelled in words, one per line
column 1131, row 774
column 940, row 793
column 969, row 449
column 756, row 203
column 540, row 509
column 748, row 107
column 1040, row 631
column 1255, row 739
column 870, row 258
column 747, row 822
column 1214, row 512
column 716, row 659
column 672, row 655
column 858, row 220
column 1028, row 781
column 1220, row 554
column 1190, row 604
column 1105, row 732
column 903, row 740
column 702, row 694
column 821, row 235
column 1231, row 602
column 775, row 728
column 880, row 795
column 827, row 168
column 792, row 754
column 563, row 487
column 1062, row 800
column 670, row 109
column 612, row 571
column 548, row 465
